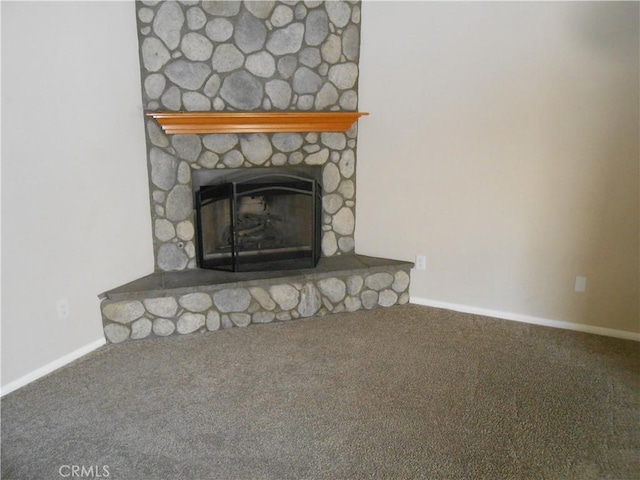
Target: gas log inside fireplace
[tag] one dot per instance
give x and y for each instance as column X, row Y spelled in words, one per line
column 258, row 219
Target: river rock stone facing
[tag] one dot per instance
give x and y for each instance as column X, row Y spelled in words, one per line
column 249, row 56
column 211, row 307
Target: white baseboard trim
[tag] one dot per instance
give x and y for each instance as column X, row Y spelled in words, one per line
column 50, row 367
column 517, row 317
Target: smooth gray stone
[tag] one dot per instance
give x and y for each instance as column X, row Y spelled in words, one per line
column 286, row 40
column 287, row 142
column 233, row 159
column 263, row 317
column 188, row 75
column 196, row 18
column 344, row 75
column 313, row 3
column 352, row 304
column 196, row 302
column 163, row 169
column 154, row 54
column 116, row 333
column 305, row 102
column 225, row 322
column 168, row 24
column 346, row 244
column 343, row 222
column 310, row 300
column 351, row 43
column 300, row 12
column 190, row 322
column 256, row 148
column 222, row 8
column 179, row 204
column 332, row 49
column 227, row 58
column 326, row 97
column 164, row 229
column 332, row 202
column 354, row 284
column 379, row 281
column 123, row 312
column 171, row 99
column 285, row 296
column 329, row 244
column 333, row 288
column 282, row 15
column 141, row 328
column 185, row 230
column 232, row 299
column 187, row 146
column 318, row 158
column 404, row 298
column 156, row 135
column 240, row 319
column 401, row 281
column 347, row 163
column 196, row 102
column 261, row 64
column 145, row 15
column 263, row 298
column 212, row 86
column 369, row 299
column 196, row 47
column 349, row 100
column 260, row 8
column 317, row 27
column 171, row 257
column 163, row 327
column 219, row 29
column 208, row 159
column 355, row 14
column 330, row 177
column 220, row 143
column 154, row 85
column 310, row 57
column 213, row 320
column 242, row 90
column 387, row 298
column 161, row 307
column 287, row 65
column 336, row 141
column 279, row 92
column 250, row 33
column 184, row 173
column 305, row 81
column 339, row 12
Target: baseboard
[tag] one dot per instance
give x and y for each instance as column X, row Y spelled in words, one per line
column 517, row 317
column 52, row 366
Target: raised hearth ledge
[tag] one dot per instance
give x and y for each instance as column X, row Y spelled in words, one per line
column 193, row 280
column 184, row 123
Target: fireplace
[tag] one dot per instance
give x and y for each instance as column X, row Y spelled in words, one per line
column 258, row 219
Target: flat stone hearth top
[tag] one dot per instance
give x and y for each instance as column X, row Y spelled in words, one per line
column 200, row 279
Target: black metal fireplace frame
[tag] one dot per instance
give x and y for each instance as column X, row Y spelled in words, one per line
column 241, row 183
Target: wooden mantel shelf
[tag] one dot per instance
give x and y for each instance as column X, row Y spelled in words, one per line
column 254, row 122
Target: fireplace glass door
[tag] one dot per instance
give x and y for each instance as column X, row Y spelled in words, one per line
column 265, row 222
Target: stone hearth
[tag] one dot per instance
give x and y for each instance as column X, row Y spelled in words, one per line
column 162, row 304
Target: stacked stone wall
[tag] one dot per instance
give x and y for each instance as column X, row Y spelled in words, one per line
column 244, row 56
column 212, row 308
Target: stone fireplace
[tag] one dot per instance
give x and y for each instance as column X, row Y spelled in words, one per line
column 233, row 57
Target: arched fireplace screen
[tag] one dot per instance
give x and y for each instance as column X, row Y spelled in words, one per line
column 251, row 220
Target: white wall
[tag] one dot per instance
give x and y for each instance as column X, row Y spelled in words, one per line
column 505, row 137
column 75, row 211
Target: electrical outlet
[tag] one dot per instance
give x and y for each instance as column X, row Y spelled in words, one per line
column 581, row 284
column 421, row 262
column 62, row 306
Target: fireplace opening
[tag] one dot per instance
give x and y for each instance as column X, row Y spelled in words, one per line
column 258, row 219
